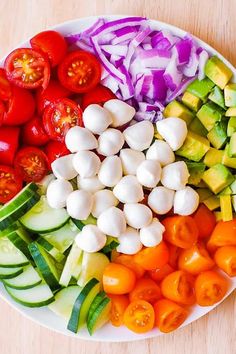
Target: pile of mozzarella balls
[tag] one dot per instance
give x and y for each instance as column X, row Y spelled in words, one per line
column 113, row 190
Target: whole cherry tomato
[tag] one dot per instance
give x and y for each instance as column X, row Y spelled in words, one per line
column 118, row 279
column 225, row 258
column 99, row 95
column 5, row 86
column 10, row 183
column 2, row 112
column 205, row 220
column 139, row 316
column 55, row 149
column 153, row 257
column 33, row 133
column 145, row 289
column 223, row 235
column 128, row 261
column 9, row 141
column 119, row 303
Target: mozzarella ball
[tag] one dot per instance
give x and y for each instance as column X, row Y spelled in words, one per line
column 120, row 111
column 79, row 204
column 149, row 173
column 160, row 151
column 111, row 171
column 112, row 222
column 137, row 215
column 175, row 175
column 57, row 193
column 86, row 163
column 79, row 139
column 63, row 167
column 173, row 130
column 140, row 135
column 161, row 200
column 186, row 201
column 128, row 190
column 110, row 142
column 91, row 184
column 151, row 235
column 103, row 200
column 96, row 118
column 129, row 242
column 131, row 159
column 91, row 239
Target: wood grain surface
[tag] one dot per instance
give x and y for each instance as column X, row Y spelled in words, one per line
column 214, row 22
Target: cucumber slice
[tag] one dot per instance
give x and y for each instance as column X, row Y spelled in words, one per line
column 81, row 223
column 7, row 273
column 57, row 255
column 100, row 316
column 26, row 280
column 43, row 184
column 9, row 230
column 38, row 296
column 97, row 300
column 82, row 304
column 46, row 265
column 20, row 239
column 111, row 244
column 42, row 219
column 64, row 301
column 93, row 265
column 73, row 262
column 10, row 256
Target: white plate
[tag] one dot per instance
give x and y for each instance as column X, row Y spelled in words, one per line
column 108, row 333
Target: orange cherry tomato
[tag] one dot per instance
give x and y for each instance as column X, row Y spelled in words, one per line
column 181, row 231
column 139, row 316
column 174, row 252
column 161, row 273
column 168, row 315
column 210, row 288
column 118, row 279
column 145, row 289
column 205, row 220
column 195, row 259
column 153, row 257
column 179, row 287
column 119, row 303
column 128, row 261
column 223, row 235
column 225, row 258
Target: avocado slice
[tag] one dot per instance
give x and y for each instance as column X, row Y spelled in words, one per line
column 194, row 147
column 197, row 127
column 232, row 145
column 226, row 207
column 231, row 112
column 195, row 170
column 217, row 178
column 213, row 157
column 212, row 202
column 218, row 135
column 209, row 114
column 217, row 96
column 230, row 95
column 191, row 101
column 201, row 89
column 177, row 109
column 227, row 160
column 226, row 191
column 231, row 128
column 204, row 193
column 218, row 71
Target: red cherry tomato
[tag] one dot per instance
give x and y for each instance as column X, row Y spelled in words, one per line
column 99, row 95
column 55, row 149
column 79, row 71
column 205, row 220
column 52, row 43
column 31, row 163
column 33, row 133
column 60, row 116
column 27, row 68
column 5, row 87
column 9, row 140
column 10, row 183
column 54, row 91
column 2, row 112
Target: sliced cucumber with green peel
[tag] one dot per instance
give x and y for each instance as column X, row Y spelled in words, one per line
column 27, row 279
column 111, row 244
column 57, row 255
column 97, row 300
column 10, row 256
column 9, row 230
column 93, row 265
column 20, row 238
column 73, row 262
column 81, row 223
column 82, row 304
column 100, row 316
column 64, row 301
column 8, row 273
column 43, row 219
column 38, row 296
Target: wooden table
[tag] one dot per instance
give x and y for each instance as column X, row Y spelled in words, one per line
column 214, row 22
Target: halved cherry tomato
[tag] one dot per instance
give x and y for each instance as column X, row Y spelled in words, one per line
column 20, row 107
column 31, row 164
column 160, row 273
column 174, row 252
column 9, row 141
column 168, row 315
column 27, row 68
column 128, row 261
column 51, row 43
column 181, row 231
column 55, row 149
column 60, row 116
column 145, row 289
column 179, row 287
column 10, row 183
column 153, row 257
column 225, row 258
column 53, row 92
column 2, row 112
column 99, row 95
column 223, row 235
column 195, row 260
column 5, row 87
column 80, row 71
column 118, row 279
column 210, row 288
column 139, row 316
column 205, row 220
column 33, row 133
column 119, row 303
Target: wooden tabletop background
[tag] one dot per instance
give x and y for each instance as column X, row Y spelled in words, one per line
column 214, row 22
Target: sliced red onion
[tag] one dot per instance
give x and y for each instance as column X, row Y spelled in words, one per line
column 84, row 46
column 90, row 31
column 147, row 46
column 183, row 48
column 159, row 85
column 172, row 76
column 190, row 69
column 127, row 89
column 180, row 89
column 112, row 84
column 117, row 24
column 120, row 50
column 203, row 57
column 125, row 37
column 140, row 116
column 147, row 107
